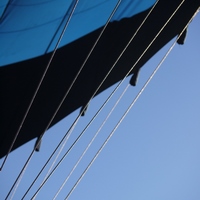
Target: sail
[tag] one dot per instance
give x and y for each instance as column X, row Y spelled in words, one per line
column 29, row 32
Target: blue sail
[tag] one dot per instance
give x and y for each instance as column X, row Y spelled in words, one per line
column 29, row 31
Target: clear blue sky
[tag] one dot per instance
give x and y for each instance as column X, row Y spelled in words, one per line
column 153, row 155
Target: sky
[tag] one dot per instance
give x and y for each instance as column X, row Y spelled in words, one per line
column 154, row 154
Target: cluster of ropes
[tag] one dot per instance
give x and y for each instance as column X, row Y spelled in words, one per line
column 57, row 161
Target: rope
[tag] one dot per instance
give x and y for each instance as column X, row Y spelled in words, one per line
column 106, row 77
column 74, row 143
column 136, row 98
column 94, row 137
column 28, row 109
column 44, row 166
column 117, row 125
column 114, row 63
column 127, row 111
column 76, row 120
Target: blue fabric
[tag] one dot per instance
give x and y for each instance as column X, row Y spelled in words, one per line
column 31, row 28
column 3, row 5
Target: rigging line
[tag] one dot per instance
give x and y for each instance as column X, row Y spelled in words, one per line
column 131, row 105
column 145, row 49
column 121, row 54
column 69, row 89
column 97, row 40
column 123, row 116
column 137, row 97
column 63, row 145
column 18, row 179
column 84, row 150
column 77, row 139
column 52, row 56
column 122, row 80
column 118, row 59
column 67, row 152
column 64, row 139
column 40, row 83
column 87, row 60
column 92, row 140
column 94, row 45
column 166, row 56
column 130, row 42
